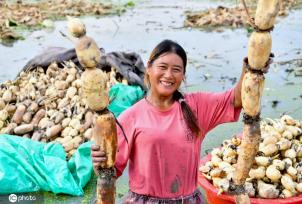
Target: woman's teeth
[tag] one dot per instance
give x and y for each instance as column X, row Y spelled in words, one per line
column 166, row 83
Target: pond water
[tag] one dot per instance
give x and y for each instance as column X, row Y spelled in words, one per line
column 215, row 58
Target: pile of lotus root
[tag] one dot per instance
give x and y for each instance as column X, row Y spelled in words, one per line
column 277, row 169
column 34, row 13
column 232, row 17
column 47, row 106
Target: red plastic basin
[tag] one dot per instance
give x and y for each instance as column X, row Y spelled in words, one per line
column 213, row 198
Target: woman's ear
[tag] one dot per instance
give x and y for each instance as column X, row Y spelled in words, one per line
column 149, row 65
column 146, row 77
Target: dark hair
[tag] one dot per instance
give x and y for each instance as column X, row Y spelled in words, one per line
column 169, row 46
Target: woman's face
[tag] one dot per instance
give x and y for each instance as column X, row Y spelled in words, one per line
column 166, row 74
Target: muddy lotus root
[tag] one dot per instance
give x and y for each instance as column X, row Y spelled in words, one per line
column 88, row 52
column 76, row 27
column 105, row 135
column 94, row 89
column 252, row 88
column 266, row 13
column 259, row 49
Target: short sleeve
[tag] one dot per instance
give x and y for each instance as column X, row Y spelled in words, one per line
column 125, row 132
column 213, row 109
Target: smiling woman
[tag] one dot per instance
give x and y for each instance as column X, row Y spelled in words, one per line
column 161, row 134
column 166, row 74
column 165, row 71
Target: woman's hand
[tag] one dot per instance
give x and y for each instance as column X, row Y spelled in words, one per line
column 238, row 101
column 98, row 156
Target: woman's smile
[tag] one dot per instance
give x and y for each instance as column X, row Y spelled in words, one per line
column 166, row 83
column 166, row 74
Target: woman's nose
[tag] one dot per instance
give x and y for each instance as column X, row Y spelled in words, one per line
column 168, row 73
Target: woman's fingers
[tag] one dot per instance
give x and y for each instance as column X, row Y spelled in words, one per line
column 98, row 159
column 96, row 151
column 98, row 154
column 95, row 147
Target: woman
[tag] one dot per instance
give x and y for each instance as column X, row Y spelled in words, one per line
column 164, row 131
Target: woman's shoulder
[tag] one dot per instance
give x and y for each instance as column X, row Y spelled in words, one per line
column 197, row 95
column 206, row 95
column 132, row 111
column 204, row 99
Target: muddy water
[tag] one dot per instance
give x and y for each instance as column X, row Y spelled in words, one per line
column 215, row 58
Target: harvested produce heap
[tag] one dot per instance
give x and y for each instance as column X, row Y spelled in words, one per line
column 231, row 17
column 47, row 105
column 31, row 14
column 277, row 169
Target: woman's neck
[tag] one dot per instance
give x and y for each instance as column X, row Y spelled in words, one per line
column 161, row 102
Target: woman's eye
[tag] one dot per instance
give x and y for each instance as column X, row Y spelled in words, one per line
column 162, row 67
column 177, row 70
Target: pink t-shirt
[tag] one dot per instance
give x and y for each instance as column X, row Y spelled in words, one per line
column 163, row 153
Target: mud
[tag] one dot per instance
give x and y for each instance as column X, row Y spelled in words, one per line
column 233, row 17
column 41, row 13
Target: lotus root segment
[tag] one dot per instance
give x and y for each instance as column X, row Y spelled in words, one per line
column 266, row 13
column 76, row 27
column 252, row 88
column 259, row 49
column 105, row 135
column 106, row 190
column 247, row 151
column 94, row 89
column 88, row 52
